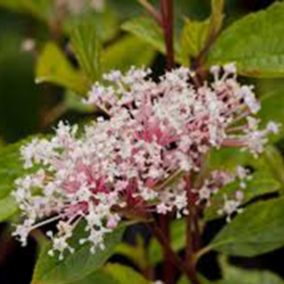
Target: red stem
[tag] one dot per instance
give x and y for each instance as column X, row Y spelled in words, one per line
column 192, row 233
column 168, row 269
column 167, row 11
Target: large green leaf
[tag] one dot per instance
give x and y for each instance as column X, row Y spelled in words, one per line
column 259, row 229
column 255, row 43
column 76, row 266
column 53, row 67
column 235, row 275
column 87, row 47
column 126, row 52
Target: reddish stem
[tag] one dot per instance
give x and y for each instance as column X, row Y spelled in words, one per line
column 192, row 233
column 167, row 11
column 168, row 269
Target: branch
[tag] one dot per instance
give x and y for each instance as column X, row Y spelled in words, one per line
column 167, row 11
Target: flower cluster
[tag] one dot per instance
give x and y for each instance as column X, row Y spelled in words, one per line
column 135, row 157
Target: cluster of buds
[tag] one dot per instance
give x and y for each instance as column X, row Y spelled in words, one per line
column 136, row 156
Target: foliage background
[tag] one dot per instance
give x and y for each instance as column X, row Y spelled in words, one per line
column 27, row 108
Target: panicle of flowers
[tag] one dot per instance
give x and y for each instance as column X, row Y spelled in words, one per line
column 134, row 158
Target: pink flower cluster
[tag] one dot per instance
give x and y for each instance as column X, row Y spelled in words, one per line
column 152, row 133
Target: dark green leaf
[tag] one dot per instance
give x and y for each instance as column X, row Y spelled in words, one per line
column 76, row 266
column 255, row 43
column 259, row 229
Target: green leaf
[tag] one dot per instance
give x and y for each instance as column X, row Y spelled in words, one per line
column 8, row 208
column 98, row 277
column 37, row 8
column 235, row 275
column 255, row 43
column 217, row 16
column 197, row 36
column 259, row 229
column 260, row 184
column 136, row 253
column 124, row 274
column 193, row 38
column 272, row 103
column 76, row 266
column 126, row 52
column 148, row 30
column 87, row 48
column 11, row 168
column 53, row 67
column 275, row 162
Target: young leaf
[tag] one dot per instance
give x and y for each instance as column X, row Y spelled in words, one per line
column 193, row 38
column 53, row 67
column 124, row 274
column 148, row 30
column 87, row 48
column 76, row 266
column 259, row 229
column 255, row 43
column 128, row 51
column 197, row 36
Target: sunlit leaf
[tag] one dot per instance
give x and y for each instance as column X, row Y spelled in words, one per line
column 53, row 67
column 255, row 43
